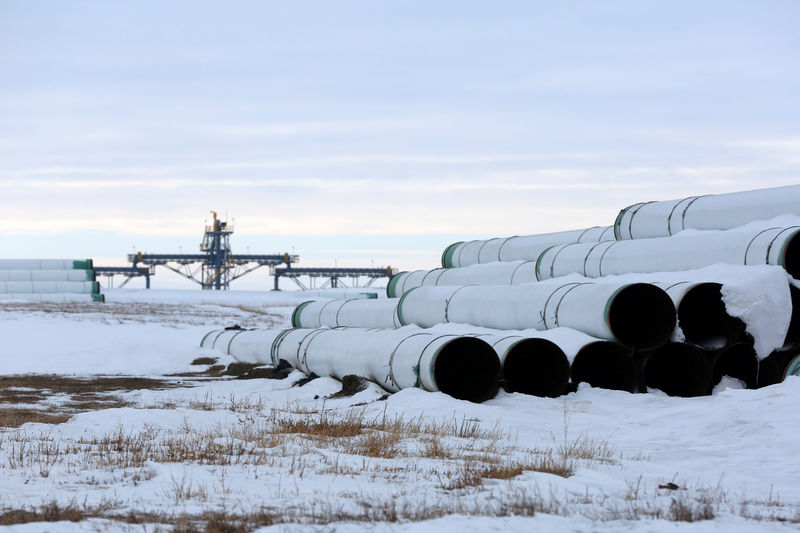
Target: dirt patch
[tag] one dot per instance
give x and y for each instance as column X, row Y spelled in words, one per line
column 14, row 418
column 77, row 385
column 204, row 361
column 351, row 385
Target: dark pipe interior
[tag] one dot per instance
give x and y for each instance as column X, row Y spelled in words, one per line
column 792, row 340
column 468, row 369
column 769, row 372
column 791, row 256
column 537, row 367
column 792, row 368
column 642, row 316
column 605, row 364
column 677, row 369
column 737, row 361
column 703, row 319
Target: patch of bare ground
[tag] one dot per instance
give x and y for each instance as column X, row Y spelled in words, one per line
column 26, row 398
column 161, row 313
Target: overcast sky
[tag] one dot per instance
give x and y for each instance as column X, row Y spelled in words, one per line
column 377, row 132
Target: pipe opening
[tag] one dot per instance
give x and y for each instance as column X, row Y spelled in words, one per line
column 791, row 255
column 537, row 367
column 703, row 319
column 678, row 369
column 769, row 371
column 467, row 369
column 792, row 340
column 605, row 364
column 641, row 316
column 738, row 361
column 792, row 368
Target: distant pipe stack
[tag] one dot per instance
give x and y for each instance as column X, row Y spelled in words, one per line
column 373, row 313
column 49, row 280
column 498, row 273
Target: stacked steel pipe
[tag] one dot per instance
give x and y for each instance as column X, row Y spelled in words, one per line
column 50, row 280
column 552, row 314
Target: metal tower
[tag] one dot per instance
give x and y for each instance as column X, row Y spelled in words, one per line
column 217, row 266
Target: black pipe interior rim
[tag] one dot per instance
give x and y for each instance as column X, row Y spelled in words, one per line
column 703, row 319
column 537, row 367
column 605, row 364
column 791, row 255
column 678, row 369
column 738, row 361
column 467, row 368
column 642, row 316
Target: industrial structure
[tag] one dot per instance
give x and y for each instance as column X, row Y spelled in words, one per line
column 215, row 266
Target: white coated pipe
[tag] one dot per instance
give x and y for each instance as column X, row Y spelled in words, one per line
column 372, row 313
column 54, row 297
column 47, row 275
column 647, row 220
column 527, row 247
column 255, row 347
column 45, row 264
column 463, row 367
column 79, row 287
column 531, row 363
column 637, row 315
column 774, row 246
column 497, row 273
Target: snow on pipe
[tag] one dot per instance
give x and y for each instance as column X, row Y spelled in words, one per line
column 359, row 313
column 647, row 220
column 497, row 273
column 773, row 246
column 46, row 264
column 638, row 315
column 701, row 314
column 47, row 275
column 676, row 368
column 528, row 247
column 466, row 368
column 45, row 287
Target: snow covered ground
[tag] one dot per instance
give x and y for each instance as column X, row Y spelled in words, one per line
column 183, row 448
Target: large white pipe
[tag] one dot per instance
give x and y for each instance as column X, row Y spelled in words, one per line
column 254, row 347
column 47, row 275
column 526, row 247
column 45, row 264
column 702, row 317
column 78, row 287
column 647, row 220
column 52, row 297
column 637, row 315
column 463, row 367
column 497, row 273
column 373, row 313
column 774, row 246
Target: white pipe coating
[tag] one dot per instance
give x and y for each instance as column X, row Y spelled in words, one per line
column 527, row 247
column 635, row 314
column 497, row 273
column 710, row 212
column 464, row 367
column 45, row 264
column 360, row 313
column 36, row 287
column 47, row 275
column 53, row 297
column 774, row 246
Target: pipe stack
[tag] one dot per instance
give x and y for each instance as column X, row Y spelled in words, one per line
column 540, row 314
column 49, row 280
